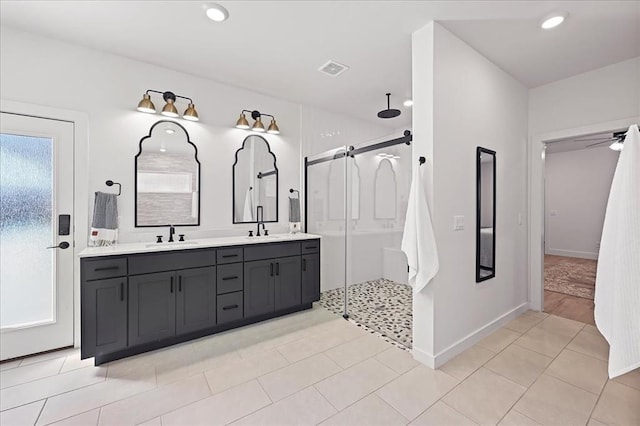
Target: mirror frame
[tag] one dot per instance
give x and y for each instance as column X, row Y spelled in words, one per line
column 233, row 182
column 479, row 152
column 135, row 175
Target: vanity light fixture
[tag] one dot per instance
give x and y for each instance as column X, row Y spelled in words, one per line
column 258, row 126
column 169, row 109
column 553, row 20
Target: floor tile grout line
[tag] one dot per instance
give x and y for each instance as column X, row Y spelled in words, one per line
column 39, row 378
column 40, row 412
column 56, row 394
column 453, row 408
column 597, row 400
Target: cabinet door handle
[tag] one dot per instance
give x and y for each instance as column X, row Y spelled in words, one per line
column 171, row 287
column 278, row 268
column 224, row 256
column 304, row 264
column 271, row 264
column 226, row 308
column 180, row 283
column 235, row 277
column 106, row 268
column 122, row 291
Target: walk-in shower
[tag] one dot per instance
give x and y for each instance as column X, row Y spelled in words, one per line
column 356, row 198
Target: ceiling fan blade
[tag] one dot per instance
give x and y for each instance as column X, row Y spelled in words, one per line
column 601, row 142
column 588, row 139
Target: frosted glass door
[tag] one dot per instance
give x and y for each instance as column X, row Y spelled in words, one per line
column 36, row 281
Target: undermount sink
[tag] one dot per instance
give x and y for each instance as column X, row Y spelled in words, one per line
column 264, row 237
column 173, row 244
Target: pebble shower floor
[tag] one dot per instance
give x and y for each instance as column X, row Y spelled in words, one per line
column 383, row 306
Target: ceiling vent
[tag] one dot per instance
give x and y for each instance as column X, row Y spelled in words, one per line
column 333, row 68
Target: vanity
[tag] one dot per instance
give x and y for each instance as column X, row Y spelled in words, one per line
column 140, row 297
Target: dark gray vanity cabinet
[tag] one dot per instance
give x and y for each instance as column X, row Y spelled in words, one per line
column 139, row 302
column 104, row 316
column 195, row 299
column 287, row 285
column 310, row 278
column 259, row 287
column 152, row 307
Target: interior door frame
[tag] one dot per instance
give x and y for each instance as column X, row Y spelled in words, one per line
column 537, row 199
column 80, row 121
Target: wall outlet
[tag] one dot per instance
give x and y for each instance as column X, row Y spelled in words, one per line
column 458, row 223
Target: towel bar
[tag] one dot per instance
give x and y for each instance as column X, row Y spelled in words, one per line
column 111, row 183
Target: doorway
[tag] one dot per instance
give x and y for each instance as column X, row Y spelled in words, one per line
column 37, row 235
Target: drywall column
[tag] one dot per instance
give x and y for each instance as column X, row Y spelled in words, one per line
column 422, row 145
column 461, row 101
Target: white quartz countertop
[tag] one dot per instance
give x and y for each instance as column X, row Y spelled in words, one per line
column 151, row 247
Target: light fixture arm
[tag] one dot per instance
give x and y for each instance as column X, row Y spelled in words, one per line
column 169, row 95
column 255, row 114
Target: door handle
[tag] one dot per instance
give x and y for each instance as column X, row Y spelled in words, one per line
column 271, row 264
column 278, row 268
column 171, row 286
column 179, row 283
column 122, row 292
column 304, row 264
column 63, row 245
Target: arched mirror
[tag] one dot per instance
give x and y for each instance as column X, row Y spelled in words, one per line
column 486, row 214
column 385, row 189
column 255, row 182
column 167, row 178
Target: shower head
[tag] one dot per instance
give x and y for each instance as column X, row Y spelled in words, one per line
column 388, row 113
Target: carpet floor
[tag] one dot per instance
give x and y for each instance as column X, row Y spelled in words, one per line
column 570, row 275
column 383, row 306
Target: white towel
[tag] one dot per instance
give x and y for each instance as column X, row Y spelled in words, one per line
column 247, row 214
column 418, row 240
column 617, row 298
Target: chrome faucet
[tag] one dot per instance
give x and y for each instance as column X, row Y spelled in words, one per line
column 172, row 230
column 260, row 219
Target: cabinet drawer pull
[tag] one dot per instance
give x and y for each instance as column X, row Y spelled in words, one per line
column 311, row 247
column 171, row 287
column 226, row 308
column 304, row 264
column 235, row 277
column 271, row 264
column 122, row 291
column 107, row 268
column 180, row 283
column 224, row 256
column 278, row 268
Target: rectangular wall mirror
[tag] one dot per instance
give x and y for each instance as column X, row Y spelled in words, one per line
column 486, row 214
column 167, row 178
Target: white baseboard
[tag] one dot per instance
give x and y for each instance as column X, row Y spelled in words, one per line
column 424, row 358
column 571, row 253
column 470, row 339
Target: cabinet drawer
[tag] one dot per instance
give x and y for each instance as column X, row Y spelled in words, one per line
column 269, row 251
column 104, row 268
column 159, row 262
column 311, row 246
column 230, row 307
column 230, row 278
column 230, row 255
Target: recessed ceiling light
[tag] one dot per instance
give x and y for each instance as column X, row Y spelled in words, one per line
column 553, row 20
column 170, row 131
column 215, row 12
column 408, row 103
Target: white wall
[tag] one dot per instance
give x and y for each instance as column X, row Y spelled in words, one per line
column 474, row 103
column 593, row 102
column 108, row 87
column 606, row 94
column 577, row 189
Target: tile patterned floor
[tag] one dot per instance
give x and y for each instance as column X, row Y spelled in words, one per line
column 314, row 368
column 381, row 306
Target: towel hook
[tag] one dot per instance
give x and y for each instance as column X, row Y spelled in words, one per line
column 422, row 160
column 111, row 183
column 291, row 190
